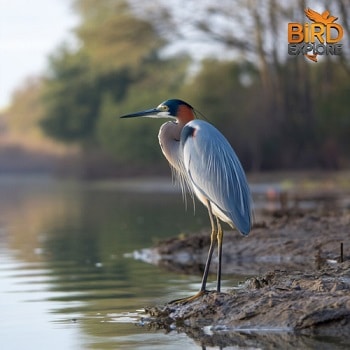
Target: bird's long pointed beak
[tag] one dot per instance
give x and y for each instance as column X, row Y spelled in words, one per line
column 153, row 112
column 150, row 113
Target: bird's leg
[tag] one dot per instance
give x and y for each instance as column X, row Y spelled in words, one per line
column 213, row 238
column 220, row 235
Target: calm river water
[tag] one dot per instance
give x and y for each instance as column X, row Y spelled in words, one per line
column 67, row 278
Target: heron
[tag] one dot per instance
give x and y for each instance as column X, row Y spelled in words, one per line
column 207, row 165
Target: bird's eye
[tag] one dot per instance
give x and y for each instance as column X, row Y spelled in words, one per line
column 164, row 108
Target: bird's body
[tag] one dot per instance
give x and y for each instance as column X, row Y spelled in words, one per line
column 229, row 193
column 197, row 152
column 204, row 160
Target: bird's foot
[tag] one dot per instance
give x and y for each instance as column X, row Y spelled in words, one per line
column 189, row 299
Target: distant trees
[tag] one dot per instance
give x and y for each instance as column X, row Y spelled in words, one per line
column 111, row 41
column 115, row 68
column 277, row 111
column 290, row 96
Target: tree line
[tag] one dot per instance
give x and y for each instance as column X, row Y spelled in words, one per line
column 278, row 111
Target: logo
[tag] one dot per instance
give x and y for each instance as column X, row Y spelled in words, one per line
column 320, row 37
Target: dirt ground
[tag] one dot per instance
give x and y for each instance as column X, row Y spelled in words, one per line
column 297, row 240
column 300, row 261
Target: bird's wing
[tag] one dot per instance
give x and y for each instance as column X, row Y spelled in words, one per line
column 313, row 15
column 320, row 18
column 214, row 169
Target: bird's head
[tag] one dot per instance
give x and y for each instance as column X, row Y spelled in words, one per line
column 174, row 108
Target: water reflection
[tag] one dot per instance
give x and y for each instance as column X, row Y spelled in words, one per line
column 66, row 282
column 62, row 249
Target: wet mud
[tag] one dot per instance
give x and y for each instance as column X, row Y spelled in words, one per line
column 300, row 285
column 298, row 240
column 309, row 303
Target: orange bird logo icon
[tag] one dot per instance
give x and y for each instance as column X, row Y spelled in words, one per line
column 324, row 18
column 316, row 17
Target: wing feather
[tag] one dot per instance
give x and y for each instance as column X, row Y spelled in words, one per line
column 215, row 171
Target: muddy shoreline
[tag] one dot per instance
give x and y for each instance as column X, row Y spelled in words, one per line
column 303, row 302
column 295, row 241
column 300, row 283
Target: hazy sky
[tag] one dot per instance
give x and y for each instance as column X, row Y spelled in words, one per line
column 29, row 31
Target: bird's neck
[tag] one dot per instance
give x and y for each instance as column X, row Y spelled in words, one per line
column 184, row 115
column 169, row 140
column 169, row 136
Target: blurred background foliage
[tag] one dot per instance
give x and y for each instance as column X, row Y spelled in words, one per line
column 278, row 112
